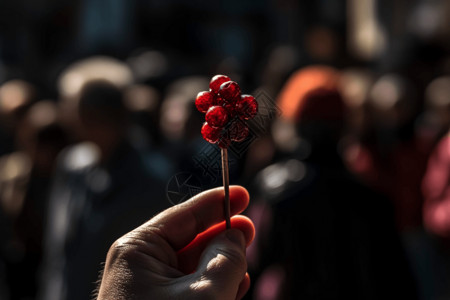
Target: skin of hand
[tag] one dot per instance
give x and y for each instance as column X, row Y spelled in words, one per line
column 185, row 252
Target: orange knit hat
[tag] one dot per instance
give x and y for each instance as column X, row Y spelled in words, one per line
column 306, row 86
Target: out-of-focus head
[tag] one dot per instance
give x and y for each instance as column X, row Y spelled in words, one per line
column 437, row 100
column 101, row 103
column 179, row 117
column 41, row 115
column 392, row 100
column 311, row 102
column 322, row 105
column 144, row 102
column 428, row 20
column 73, row 80
column 16, row 96
column 41, row 136
column 142, row 98
column 16, row 168
column 354, row 85
column 102, row 111
column 94, row 68
column 147, row 64
column 304, row 85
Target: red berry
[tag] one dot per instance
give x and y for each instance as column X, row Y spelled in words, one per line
column 231, row 109
column 204, row 101
column 219, row 100
column 210, row 134
column 247, row 107
column 216, row 81
column 216, row 116
column 230, row 91
column 238, row 131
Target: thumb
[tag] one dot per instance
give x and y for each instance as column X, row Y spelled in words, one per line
column 222, row 266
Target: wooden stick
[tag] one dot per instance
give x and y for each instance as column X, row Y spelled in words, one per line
column 226, row 186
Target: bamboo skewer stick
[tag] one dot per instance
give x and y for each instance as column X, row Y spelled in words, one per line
column 226, row 185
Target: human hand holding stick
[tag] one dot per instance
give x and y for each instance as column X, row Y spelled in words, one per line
column 185, row 252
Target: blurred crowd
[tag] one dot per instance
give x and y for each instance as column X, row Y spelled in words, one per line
column 347, row 165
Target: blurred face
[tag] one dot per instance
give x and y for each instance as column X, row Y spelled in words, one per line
column 70, row 119
column 391, row 101
column 174, row 115
column 101, row 131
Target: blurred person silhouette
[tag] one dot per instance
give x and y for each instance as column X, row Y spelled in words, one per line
column 24, row 186
column 102, row 186
column 394, row 149
column 180, row 122
column 436, row 213
column 436, row 189
column 143, row 103
column 354, row 85
column 321, row 234
column 281, row 61
column 435, row 119
column 390, row 141
column 178, row 108
column 16, row 96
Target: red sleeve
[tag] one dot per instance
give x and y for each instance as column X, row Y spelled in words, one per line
column 436, row 190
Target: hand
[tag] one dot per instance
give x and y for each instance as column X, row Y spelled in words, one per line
column 183, row 253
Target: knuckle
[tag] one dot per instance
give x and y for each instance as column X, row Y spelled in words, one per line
column 118, row 248
column 136, row 243
column 123, row 248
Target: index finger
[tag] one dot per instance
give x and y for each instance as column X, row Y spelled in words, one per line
column 180, row 224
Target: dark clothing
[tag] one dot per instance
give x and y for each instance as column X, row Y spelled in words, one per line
column 334, row 238
column 101, row 204
column 28, row 229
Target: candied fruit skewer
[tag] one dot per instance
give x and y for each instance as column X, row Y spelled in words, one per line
column 226, row 186
column 226, row 111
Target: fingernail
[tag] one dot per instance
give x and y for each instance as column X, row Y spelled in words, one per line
column 236, row 236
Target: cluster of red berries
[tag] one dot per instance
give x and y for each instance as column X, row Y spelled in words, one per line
column 226, row 109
